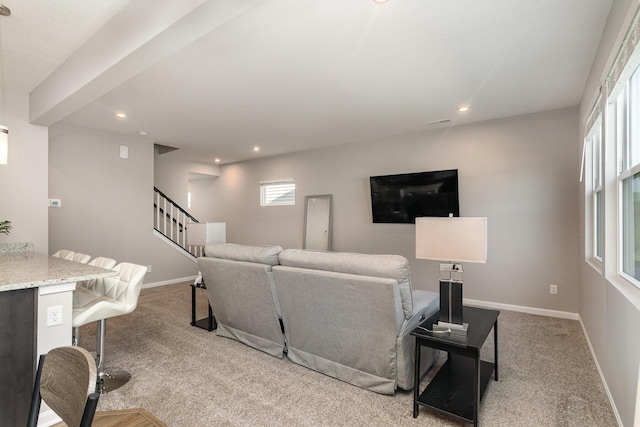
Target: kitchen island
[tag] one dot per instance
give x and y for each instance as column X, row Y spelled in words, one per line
column 32, row 286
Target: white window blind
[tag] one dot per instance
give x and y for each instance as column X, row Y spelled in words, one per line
column 278, row 193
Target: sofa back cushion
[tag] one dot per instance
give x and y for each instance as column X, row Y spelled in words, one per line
column 239, row 283
column 235, row 252
column 386, row 266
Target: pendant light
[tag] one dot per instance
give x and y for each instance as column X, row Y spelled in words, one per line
column 4, row 131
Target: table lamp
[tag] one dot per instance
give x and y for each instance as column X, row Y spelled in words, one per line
column 451, row 241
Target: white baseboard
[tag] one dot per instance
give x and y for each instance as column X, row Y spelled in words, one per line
column 169, row 282
column 559, row 314
column 602, row 378
column 523, row 309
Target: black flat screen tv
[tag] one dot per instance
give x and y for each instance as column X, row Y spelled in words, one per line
column 402, row 198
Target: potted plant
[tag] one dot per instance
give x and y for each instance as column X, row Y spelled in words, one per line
column 5, row 227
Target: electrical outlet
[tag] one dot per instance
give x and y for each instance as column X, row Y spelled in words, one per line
column 553, row 289
column 54, row 315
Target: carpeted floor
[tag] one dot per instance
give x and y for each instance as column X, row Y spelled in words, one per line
column 189, row 377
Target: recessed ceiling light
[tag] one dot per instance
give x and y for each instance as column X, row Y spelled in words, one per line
column 463, row 108
column 142, row 133
column 121, row 115
column 216, row 160
column 379, row 1
column 256, row 148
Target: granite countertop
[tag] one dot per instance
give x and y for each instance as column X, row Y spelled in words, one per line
column 22, row 270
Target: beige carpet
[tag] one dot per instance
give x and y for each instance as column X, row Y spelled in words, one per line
column 189, row 377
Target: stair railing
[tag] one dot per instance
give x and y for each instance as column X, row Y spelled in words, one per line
column 171, row 221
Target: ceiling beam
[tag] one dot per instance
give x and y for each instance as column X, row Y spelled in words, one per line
column 143, row 33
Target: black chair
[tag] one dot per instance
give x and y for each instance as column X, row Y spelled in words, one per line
column 66, row 381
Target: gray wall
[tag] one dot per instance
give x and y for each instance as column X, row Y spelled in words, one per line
column 520, row 172
column 23, row 181
column 203, row 202
column 609, row 309
column 174, row 176
column 107, row 202
column 171, row 177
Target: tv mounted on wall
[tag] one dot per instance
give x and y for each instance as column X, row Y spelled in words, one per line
column 402, row 198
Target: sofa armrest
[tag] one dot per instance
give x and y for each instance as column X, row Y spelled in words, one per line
column 425, row 303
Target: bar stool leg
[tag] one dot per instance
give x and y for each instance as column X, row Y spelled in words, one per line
column 108, row 379
column 75, row 336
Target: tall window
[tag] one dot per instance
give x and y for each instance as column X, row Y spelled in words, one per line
column 594, row 141
column 628, row 132
column 612, row 162
column 278, row 193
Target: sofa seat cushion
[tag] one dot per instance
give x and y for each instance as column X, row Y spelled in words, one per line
column 386, row 266
column 235, row 252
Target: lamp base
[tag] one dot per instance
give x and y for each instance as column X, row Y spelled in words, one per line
column 450, row 302
column 453, row 328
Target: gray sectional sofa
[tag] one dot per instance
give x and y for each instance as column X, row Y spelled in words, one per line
column 346, row 315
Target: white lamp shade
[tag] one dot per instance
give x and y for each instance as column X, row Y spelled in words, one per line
column 202, row 234
column 452, row 239
column 4, row 145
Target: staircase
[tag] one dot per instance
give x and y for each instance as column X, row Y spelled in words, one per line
column 171, row 222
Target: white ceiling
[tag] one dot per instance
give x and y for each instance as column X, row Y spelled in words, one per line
column 40, row 35
column 216, row 78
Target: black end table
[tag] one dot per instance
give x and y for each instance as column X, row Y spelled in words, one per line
column 209, row 322
column 459, row 385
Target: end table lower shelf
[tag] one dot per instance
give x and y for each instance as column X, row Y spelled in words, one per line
column 451, row 392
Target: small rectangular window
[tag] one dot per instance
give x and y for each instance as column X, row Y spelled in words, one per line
column 278, row 193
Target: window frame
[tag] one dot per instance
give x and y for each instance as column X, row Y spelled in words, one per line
column 621, row 67
column 280, row 188
column 596, row 189
column 627, row 133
